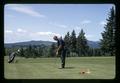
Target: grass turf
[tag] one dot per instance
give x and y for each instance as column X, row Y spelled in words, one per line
column 48, row 68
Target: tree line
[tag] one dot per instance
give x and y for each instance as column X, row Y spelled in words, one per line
column 76, row 46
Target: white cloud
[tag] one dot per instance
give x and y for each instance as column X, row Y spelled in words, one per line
column 47, row 33
column 26, row 10
column 85, row 22
column 77, row 28
column 8, row 31
column 89, row 36
column 43, row 35
column 22, row 35
column 102, row 23
column 58, row 25
column 21, row 30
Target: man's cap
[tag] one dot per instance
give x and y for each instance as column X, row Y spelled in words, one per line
column 54, row 37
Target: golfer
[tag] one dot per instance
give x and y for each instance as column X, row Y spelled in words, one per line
column 12, row 56
column 60, row 50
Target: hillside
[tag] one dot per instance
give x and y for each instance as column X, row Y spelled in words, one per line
column 93, row 44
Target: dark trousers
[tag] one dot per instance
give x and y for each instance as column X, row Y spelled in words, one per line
column 63, row 55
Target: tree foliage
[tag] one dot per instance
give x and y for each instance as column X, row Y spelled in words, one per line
column 82, row 46
column 108, row 36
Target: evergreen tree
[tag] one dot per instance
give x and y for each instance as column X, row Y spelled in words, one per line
column 26, row 52
column 82, row 46
column 52, row 49
column 108, row 36
column 40, row 51
column 67, row 43
column 73, row 42
column 34, row 51
column 44, row 50
column 91, row 52
column 21, row 52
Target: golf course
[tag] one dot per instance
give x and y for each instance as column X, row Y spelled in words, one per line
column 49, row 68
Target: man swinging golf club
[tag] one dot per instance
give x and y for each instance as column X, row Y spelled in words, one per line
column 12, row 56
column 60, row 50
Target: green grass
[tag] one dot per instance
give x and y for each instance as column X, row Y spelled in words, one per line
column 48, row 68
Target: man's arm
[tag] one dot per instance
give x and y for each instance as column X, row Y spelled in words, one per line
column 58, row 49
column 60, row 46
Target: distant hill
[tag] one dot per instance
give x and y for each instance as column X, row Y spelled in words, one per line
column 28, row 43
column 93, row 44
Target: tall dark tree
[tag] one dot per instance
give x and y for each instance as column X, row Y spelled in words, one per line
column 27, row 52
column 67, row 43
column 82, row 46
column 40, row 51
column 108, row 36
column 73, row 42
column 21, row 52
column 34, row 51
column 52, row 50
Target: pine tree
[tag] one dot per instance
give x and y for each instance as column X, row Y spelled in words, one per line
column 108, row 36
column 34, row 50
column 40, row 51
column 27, row 52
column 82, row 46
column 73, row 42
column 30, row 54
column 21, row 52
column 52, row 50
column 67, row 43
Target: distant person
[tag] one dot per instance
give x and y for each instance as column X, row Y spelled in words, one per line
column 12, row 56
column 60, row 50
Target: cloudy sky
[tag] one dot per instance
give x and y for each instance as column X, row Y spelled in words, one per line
column 26, row 22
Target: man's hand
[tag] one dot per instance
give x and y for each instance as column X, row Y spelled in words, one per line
column 57, row 53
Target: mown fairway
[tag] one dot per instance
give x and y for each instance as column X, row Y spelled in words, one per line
column 48, row 68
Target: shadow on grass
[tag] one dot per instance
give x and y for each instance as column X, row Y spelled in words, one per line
column 67, row 68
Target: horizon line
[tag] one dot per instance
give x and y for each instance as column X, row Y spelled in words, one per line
column 39, row 40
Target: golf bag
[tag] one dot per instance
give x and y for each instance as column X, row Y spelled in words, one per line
column 11, row 57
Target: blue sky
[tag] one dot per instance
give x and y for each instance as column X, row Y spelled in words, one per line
column 25, row 22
